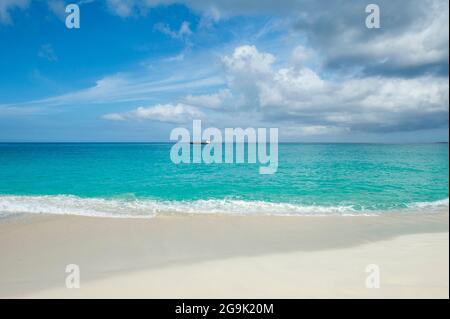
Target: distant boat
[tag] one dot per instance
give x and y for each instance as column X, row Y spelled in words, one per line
column 202, row 142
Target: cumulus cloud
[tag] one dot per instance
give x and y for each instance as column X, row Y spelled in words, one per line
column 301, row 55
column 301, row 101
column 169, row 113
column 251, row 74
column 6, row 6
column 247, row 69
column 247, row 58
column 300, row 95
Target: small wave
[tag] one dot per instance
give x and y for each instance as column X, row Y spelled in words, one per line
column 146, row 208
column 439, row 204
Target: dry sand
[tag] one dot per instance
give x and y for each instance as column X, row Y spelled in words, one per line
column 226, row 256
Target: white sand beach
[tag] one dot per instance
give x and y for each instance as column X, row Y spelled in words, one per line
column 226, row 256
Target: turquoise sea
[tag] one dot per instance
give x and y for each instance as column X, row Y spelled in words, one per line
column 140, row 180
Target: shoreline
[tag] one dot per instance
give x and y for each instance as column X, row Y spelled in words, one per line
column 148, row 257
column 144, row 208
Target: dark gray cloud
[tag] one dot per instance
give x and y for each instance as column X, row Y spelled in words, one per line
column 412, row 40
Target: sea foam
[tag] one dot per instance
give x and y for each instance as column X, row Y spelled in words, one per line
column 147, row 208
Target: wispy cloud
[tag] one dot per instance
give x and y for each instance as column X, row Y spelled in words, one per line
column 47, row 52
column 121, row 8
column 6, row 6
column 127, row 87
column 169, row 113
column 213, row 101
column 182, row 32
column 58, row 8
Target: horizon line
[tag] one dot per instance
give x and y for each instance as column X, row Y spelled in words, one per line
column 174, row 142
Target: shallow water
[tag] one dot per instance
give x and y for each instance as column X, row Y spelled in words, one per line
column 140, row 180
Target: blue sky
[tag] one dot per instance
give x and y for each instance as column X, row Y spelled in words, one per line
column 137, row 69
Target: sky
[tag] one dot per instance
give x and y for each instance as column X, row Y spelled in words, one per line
column 135, row 70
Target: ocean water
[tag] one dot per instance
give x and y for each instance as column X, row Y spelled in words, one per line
column 140, row 180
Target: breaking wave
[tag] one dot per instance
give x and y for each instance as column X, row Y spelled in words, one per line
column 146, row 208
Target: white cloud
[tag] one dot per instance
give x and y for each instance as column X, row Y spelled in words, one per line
column 121, row 8
column 302, row 102
column 6, row 6
column 182, row 32
column 126, row 87
column 114, row 117
column 212, row 101
column 169, row 113
column 58, row 7
column 312, row 130
column 299, row 94
column 247, row 59
column 301, row 55
column 247, row 69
